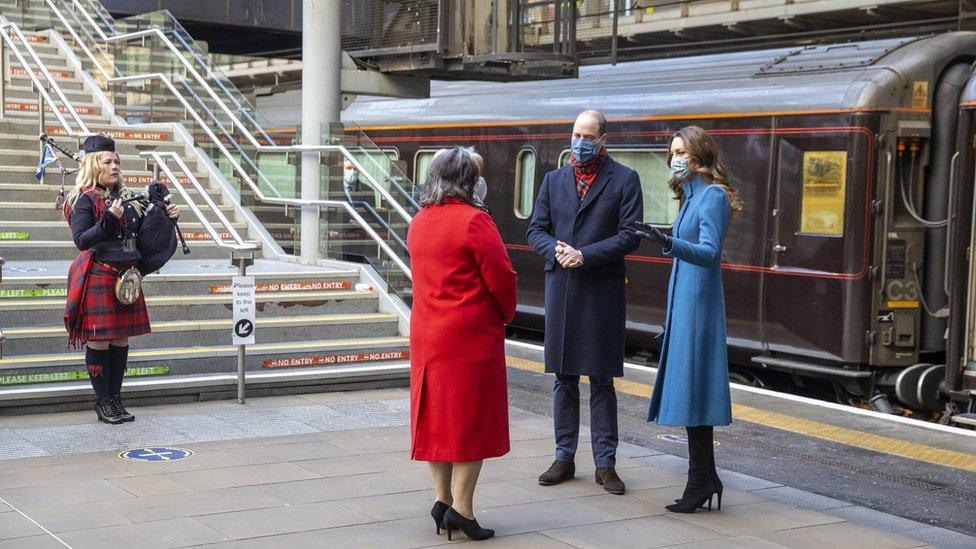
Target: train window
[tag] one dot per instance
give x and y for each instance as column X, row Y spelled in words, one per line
column 524, row 183
column 660, row 207
column 824, row 188
column 421, row 163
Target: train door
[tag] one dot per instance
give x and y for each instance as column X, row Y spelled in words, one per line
column 816, row 246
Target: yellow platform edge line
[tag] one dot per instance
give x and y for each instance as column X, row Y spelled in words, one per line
column 806, row 427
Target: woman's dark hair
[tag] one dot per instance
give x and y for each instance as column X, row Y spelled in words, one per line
column 452, row 174
column 702, row 149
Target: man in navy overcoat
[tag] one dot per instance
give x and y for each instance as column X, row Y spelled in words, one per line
column 579, row 225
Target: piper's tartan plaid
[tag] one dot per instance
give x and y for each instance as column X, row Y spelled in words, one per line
column 92, row 313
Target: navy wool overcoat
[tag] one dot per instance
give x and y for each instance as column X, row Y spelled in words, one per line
column 692, row 386
column 586, row 306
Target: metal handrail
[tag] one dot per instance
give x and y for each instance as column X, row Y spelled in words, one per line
column 239, row 243
column 155, row 31
column 7, row 28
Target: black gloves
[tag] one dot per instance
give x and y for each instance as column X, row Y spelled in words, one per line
column 645, row 230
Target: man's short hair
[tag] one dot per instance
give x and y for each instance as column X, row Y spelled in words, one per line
column 601, row 120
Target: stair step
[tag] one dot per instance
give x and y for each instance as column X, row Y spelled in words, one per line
column 208, row 333
column 223, row 358
column 45, row 211
column 47, row 250
column 17, row 93
column 58, row 230
column 43, row 311
column 66, row 79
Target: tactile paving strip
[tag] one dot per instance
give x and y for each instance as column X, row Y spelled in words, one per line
column 214, row 426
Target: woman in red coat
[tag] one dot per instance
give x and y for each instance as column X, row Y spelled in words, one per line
column 463, row 295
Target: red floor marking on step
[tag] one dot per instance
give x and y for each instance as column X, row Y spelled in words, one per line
column 33, row 38
column 144, row 136
column 334, row 359
column 147, row 179
column 32, row 107
column 288, row 286
column 19, row 71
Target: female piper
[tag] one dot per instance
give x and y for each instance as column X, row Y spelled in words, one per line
column 104, row 225
column 692, row 387
column 464, row 295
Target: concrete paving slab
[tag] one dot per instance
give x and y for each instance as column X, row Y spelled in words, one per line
column 14, row 525
column 839, row 534
column 657, row 531
column 344, row 486
column 33, row 542
column 163, row 534
column 284, row 520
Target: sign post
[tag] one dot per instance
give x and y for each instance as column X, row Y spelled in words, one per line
column 244, row 304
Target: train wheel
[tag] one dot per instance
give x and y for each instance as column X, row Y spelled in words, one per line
column 927, row 391
column 906, row 385
column 746, row 378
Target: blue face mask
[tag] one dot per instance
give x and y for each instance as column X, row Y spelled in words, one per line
column 583, row 149
column 679, row 166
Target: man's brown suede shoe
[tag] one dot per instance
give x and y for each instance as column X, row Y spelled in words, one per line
column 607, row 476
column 559, row 471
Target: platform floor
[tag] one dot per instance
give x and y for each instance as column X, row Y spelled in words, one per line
column 332, row 470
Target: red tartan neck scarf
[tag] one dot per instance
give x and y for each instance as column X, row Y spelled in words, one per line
column 585, row 172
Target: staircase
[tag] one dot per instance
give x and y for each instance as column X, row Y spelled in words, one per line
column 325, row 325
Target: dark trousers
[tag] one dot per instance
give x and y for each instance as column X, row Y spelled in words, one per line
column 603, row 418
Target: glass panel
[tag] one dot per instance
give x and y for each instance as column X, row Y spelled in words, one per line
column 824, row 187
column 660, row 207
column 524, row 183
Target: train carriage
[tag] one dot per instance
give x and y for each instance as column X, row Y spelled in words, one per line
column 842, row 153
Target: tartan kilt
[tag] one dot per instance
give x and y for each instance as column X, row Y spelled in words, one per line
column 103, row 318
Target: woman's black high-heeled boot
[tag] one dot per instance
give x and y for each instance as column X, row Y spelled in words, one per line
column 454, row 521
column 700, row 487
column 716, row 482
column 437, row 513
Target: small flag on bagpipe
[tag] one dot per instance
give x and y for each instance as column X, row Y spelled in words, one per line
column 47, row 158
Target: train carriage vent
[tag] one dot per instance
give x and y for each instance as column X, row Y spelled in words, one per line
column 831, row 57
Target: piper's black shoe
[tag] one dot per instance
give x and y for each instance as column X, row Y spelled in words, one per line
column 105, row 410
column 120, row 409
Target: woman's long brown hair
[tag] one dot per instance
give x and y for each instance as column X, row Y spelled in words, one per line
column 701, row 148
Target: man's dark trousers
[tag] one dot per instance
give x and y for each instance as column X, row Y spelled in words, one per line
column 603, row 418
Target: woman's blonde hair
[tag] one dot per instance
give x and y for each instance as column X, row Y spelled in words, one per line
column 701, row 147
column 89, row 172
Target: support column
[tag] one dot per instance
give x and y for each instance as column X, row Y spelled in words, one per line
column 321, row 69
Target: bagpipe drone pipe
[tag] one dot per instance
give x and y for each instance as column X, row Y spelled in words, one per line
column 158, row 233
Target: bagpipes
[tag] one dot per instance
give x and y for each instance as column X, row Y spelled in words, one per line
column 155, row 245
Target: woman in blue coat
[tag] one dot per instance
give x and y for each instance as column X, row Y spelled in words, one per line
column 692, row 387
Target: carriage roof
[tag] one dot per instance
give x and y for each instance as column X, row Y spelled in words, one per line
column 876, row 74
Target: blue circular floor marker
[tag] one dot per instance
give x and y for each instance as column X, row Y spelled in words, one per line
column 156, row 454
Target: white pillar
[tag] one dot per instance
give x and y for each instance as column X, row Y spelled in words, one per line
column 321, row 69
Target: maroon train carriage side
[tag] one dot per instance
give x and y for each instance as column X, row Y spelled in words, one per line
column 842, row 153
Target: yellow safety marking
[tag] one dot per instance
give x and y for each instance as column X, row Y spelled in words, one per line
column 180, row 326
column 216, row 350
column 200, row 299
column 902, row 304
column 807, row 427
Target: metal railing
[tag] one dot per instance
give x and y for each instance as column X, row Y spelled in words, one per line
column 8, row 32
column 227, row 111
column 160, row 158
